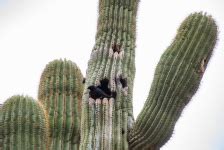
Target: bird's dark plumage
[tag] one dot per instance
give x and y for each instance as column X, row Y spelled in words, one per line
column 104, row 86
column 114, row 94
column 96, row 92
column 104, row 83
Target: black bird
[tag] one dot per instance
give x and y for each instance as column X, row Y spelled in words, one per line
column 104, row 86
column 96, row 92
column 114, row 94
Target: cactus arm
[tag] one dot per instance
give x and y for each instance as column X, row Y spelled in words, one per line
column 105, row 121
column 23, row 124
column 60, row 91
column 176, row 79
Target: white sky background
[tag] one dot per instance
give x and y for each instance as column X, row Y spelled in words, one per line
column 34, row 32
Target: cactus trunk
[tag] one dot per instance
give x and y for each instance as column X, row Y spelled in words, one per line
column 107, row 120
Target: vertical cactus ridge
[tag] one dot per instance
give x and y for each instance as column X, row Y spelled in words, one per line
column 176, row 79
column 60, row 91
column 118, row 16
column 23, row 124
column 105, row 120
column 71, row 115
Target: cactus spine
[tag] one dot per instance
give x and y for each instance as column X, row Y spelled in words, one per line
column 23, row 125
column 102, row 114
column 60, row 91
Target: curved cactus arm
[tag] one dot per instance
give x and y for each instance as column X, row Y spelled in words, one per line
column 23, row 124
column 107, row 101
column 60, row 91
column 176, row 79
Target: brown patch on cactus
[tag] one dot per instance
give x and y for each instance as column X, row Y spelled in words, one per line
column 116, row 48
column 202, row 66
column 91, row 101
column 79, row 104
column 46, row 115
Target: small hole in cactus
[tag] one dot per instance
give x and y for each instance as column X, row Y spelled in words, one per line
column 116, row 48
column 123, row 81
column 202, row 66
column 84, row 81
column 122, row 131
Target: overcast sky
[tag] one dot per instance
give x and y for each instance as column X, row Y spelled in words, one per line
column 34, row 32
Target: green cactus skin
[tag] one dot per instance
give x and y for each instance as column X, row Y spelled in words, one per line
column 176, row 79
column 23, row 125
column 105, row 122
column 60, row 91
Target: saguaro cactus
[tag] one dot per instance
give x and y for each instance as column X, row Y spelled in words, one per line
column 60, row 91
column 176, row 79
column 105, row 106
column 23, row 125
column 107, row 120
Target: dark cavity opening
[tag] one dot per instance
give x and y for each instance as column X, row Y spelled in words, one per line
column 123, row 81
column 116, row 48
column 84, row 81
column 101, row 91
